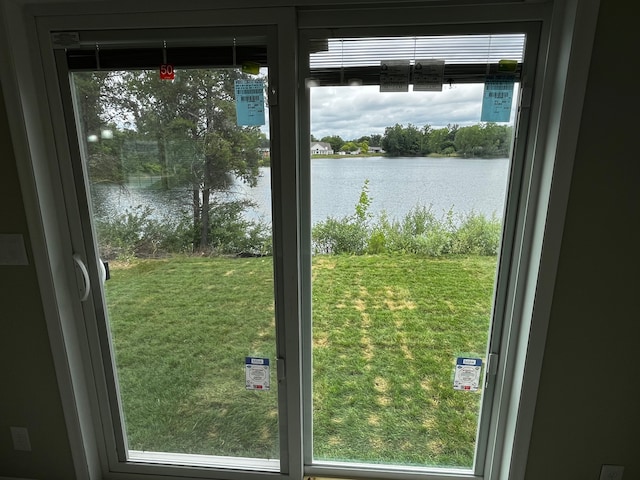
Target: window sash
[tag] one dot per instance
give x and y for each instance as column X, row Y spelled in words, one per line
column 121, row 459
column 500, row 321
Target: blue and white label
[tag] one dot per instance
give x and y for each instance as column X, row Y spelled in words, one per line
column 257, row 373
column 249, row 102
column 497, row 99
column 474, row 362
column 467, row 374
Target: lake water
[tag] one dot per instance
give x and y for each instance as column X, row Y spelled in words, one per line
column 396, row 185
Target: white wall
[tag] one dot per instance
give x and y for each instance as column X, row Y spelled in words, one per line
column 587, row 410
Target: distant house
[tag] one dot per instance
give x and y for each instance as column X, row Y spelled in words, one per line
column 375, row 149
column 321, row 148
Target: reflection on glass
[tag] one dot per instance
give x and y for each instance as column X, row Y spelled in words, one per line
column 191, row 288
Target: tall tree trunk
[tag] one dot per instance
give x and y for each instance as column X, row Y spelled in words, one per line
column 204, row 229
column 164, row 161
column 195, row 201
column 206, row 196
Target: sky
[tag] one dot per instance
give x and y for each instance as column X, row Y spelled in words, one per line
column 353, row 112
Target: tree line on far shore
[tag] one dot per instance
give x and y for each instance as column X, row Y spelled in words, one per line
column 484, row 140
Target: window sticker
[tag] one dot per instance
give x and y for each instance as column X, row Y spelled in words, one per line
column 428, row 75
column 167, row 72
column 507, row 66
column 257, row 373
column 394, row 76
column 497, row 99
column 467, row 374
column 249, row 102
column 251, row 67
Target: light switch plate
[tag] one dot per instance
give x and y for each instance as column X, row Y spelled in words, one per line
column 20, row 437
column 611, row 472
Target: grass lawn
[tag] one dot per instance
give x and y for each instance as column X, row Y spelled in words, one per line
column 387, row 330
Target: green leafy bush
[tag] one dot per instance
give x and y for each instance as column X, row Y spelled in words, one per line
column 478, row 235
column 346, row 235
column 231, row 233
column 350, row 234
column 419, row 232
column 377, row 242
column 136, row 233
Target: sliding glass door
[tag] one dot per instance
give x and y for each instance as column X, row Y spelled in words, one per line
column 317, row 292
column 176, row 196
column 410, row 167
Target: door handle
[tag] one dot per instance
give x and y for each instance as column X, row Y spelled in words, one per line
column 86, row 286
column 105, row 273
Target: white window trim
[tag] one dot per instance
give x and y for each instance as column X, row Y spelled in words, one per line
column 571, row 32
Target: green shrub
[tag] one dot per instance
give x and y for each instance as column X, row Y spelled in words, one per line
column 231, row 233
column 478, row 235
column 347, row 235
column 418, row 232
column 136, row 233
column 434, row 244
column 377, row 242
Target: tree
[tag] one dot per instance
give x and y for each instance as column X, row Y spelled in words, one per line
column 393, row 141
column 497, row 139
column 483, row 140
column 404, row 141
column 190, row 123
column 469, row 141
column 375, row 140
column 424, row 140
column 441, row 140
column 335, row 141
column 349, row 147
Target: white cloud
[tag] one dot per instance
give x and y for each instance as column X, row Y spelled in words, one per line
column 352, row 112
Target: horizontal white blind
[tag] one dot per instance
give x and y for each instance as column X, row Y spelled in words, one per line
column 467, row 57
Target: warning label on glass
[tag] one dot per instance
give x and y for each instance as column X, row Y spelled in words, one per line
column 428, row 75
column 467, row 375
column 394, row 76
column 257, row 373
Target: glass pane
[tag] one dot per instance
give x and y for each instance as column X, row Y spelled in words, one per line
column 190, row 296
column 408, row 192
